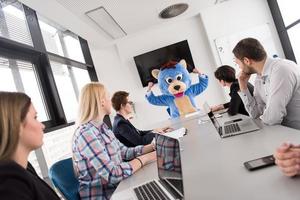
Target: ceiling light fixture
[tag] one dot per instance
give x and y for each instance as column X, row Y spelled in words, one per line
column 106, row 22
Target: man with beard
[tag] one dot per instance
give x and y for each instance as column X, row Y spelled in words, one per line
column 276, row 97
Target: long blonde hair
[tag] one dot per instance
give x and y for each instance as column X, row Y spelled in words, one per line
column 90, row 102
column 14, row 107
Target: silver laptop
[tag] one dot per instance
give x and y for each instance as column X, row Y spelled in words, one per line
column 231, row 127
column 169, row 186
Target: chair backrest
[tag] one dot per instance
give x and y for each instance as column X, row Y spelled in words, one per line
column 169, row 111
column 63, row 178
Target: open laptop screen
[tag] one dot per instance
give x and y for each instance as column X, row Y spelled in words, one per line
column 214, row 120
column 211, row 116
column 169, row 163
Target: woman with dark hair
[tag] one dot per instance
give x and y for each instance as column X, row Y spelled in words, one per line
column 20, row 133
column 226, row 77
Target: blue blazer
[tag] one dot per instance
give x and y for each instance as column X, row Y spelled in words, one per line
column 130, row 136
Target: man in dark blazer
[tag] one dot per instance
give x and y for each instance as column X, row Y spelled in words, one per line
column 123, row 129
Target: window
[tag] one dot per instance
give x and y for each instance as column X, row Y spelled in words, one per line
column 294, row 35
column 82, row 77
column 51, row 38
column 13, row 24
column 73, row 49
column 32, row 88
column 66, row 90
column 286, row 17
column 60, row 41
column 289, row 10
column 20, row 76
column 69, row 81
column 7, row 80
column 45, row 61
column 34, row 162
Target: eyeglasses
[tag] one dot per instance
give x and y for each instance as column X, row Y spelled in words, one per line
column 130, row 103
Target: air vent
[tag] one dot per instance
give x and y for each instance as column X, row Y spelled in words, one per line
column 173, row 10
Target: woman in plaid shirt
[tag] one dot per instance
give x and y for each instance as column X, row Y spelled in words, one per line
column 98, row 157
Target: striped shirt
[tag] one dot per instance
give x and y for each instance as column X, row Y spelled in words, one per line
column 99, row 160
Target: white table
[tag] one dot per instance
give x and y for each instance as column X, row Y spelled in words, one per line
column 213, row 167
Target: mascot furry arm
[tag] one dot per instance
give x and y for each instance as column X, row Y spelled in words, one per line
column 175, row 85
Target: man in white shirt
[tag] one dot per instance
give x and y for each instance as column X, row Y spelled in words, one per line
column 276, row 97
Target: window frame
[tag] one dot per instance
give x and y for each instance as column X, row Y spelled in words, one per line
column 282, row 30
column 38, row 55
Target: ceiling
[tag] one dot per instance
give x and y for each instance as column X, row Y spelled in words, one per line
column 134, row 15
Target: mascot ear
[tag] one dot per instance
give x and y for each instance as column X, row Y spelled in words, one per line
column 183, row 63
column 155, row 73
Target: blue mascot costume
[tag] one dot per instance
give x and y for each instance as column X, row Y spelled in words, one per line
column 175, row 85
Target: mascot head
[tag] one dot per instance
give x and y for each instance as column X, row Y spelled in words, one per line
column 173, row 78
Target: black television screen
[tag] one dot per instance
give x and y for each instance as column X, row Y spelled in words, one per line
column 146, row 62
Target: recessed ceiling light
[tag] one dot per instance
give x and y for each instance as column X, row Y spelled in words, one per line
column 106, row 22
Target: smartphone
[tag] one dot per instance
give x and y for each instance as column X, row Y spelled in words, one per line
column 260, row 163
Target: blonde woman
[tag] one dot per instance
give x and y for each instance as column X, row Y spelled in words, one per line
column 20, row 133
column 99, row 158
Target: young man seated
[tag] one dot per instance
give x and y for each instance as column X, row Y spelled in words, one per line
column 122, row 127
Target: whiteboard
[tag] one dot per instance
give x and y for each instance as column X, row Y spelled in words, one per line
column 225, row 44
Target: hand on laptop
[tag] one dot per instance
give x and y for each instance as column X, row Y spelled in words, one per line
column 287, row 158
column 163, row 130
column 217, row 108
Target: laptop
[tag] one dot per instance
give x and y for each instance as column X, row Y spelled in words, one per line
column 231, row 127
column 169, row 186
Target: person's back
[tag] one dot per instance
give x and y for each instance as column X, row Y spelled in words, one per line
column 225, row 74
column 236, row 105
column 18, row 183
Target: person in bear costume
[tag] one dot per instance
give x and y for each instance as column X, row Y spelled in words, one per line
column 177, row 91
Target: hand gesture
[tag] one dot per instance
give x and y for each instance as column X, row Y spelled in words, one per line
column 150, row 85
column 287, row 157
column 243, row 79
column 196, row 71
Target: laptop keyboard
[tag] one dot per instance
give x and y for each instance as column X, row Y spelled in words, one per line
column 150, row 191
column 232, row 128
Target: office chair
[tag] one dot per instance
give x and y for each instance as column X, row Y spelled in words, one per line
column 63, row 178
column 169, row 111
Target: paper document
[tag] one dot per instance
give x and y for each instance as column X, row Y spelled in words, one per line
column 192, row 114
column 178, row 133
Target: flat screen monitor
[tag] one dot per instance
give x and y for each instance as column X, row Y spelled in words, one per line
column 146, row 62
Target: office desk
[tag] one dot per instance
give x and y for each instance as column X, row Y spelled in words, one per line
column 213, row 167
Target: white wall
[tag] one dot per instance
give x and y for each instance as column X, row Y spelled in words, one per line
column 116, row 68
column 237, row 16
column 57, row 13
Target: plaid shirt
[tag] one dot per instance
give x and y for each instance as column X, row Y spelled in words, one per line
column 98, row 160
